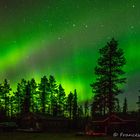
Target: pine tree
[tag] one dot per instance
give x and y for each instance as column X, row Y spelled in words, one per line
column 138, row 103
column 34, row 96
column 1, row 96
column 6, row 93
column 20, row 96
column 27, row 99
column 118, row 108
column 80, row 111
column 11, row 105
column 86, row 108
column 44, row 93
column 75, row 105
column 109, row 77
column 125, row 107
column 70, row 104
column 53, row 96
column 61, row 100
column 18, row 99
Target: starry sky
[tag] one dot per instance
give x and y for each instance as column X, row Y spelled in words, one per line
column 62, row 38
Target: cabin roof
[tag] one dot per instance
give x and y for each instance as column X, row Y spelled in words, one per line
column 112, row 119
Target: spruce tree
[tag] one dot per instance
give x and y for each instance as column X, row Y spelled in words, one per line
column 109, row 78
column 34, row 96
column 75, row 105
column 118, row 108
column 21, row 94
column 138, row 103
column 6, row 94
column 44, row 93
column 53, row 96
column 1, row 94
column 70, row 104
column 125, row 107
column 18, row 99
column 61, row 100
column 27, row 99
column 80, row 111
column 86, row 108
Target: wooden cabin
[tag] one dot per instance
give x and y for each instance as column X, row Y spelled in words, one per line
column 44, row 123
column 31, row 120
column 110, row 125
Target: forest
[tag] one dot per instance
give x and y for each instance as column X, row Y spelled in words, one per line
column 45, row 97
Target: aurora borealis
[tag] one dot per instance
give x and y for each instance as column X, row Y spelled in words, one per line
column 62, row 38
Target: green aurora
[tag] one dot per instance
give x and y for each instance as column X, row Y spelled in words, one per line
column 62, row 38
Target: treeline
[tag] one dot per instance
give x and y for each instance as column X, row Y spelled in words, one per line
column 46, row 97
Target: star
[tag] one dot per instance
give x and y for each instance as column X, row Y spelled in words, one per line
column 132, row 27
column 86, row 26
column 133, row 6
column 59, row 38
column 73, row 25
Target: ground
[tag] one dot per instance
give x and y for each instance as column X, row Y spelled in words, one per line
column 51, row 136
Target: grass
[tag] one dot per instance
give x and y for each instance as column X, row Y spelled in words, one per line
column 51, row 136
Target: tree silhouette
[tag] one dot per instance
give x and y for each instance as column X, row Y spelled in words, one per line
column 3, row 114
column 118, row 108
column 53, row 96
column 61, row 100
column 34, row 96
column 125, row 107
column 6, row 93
column 18, row 98
column 80, row 111
column 11, row 105
column 1, row 96
column 109, row 76
column 86, row 108
column 43, row 89
column 70, row 104
column 96, row 106
column 138, row 103
column 27, row 99
column 20, row 95
column 75, row 105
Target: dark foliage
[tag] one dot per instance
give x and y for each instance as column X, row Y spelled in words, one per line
column 109, row 78
column 125, row 106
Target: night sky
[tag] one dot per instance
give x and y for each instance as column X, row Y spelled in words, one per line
column 62, row 38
